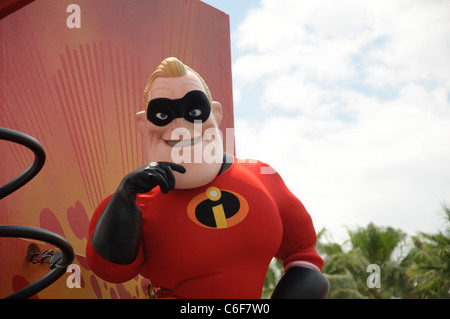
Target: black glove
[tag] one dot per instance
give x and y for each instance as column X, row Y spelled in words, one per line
column 118, row 233
column 301, row 283
column 147, row 177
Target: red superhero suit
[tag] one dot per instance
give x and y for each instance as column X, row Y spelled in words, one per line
column 216, row 241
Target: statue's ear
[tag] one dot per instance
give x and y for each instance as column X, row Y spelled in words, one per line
column 217, row 111
column 141, row 121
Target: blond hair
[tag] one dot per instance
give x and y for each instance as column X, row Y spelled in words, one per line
column 171, row 68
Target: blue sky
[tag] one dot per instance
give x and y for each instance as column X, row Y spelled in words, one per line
column 350, row 102
column 236, row 9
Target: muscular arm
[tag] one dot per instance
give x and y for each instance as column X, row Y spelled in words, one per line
column 302, row 278
column 118, row 233
column 114, row 249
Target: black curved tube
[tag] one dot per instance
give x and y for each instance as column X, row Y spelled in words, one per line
column 48, row 237
column 68, row 254
column 32, row 170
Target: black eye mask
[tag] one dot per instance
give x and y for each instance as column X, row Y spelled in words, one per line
column 194, row 106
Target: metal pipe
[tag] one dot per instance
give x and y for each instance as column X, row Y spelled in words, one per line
column 57, row 267
column 58, row 270
column 33, row 169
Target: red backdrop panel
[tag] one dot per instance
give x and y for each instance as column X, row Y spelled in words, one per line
column 76, row 90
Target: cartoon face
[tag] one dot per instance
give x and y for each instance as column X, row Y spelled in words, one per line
column 181, row 125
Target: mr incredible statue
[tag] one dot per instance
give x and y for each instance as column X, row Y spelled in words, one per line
column 215, row 222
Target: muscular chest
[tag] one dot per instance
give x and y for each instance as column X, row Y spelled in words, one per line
column 205, row 229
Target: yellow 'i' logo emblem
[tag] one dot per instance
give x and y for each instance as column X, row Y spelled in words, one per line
column 217, row 209
column 214, row 194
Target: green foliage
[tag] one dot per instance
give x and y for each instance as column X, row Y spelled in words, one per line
column 430, row 270
column 367, row 245
column 274, row 274
column 410, row 267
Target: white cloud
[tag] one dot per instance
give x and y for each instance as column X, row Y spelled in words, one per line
column 395, row 42
column 357, row 101
column 417, row 46
column 390, row 166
